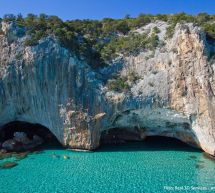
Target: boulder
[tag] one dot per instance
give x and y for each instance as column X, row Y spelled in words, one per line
column 11, row 145
column 37, row 140
column 21, row 137
column 21, row 142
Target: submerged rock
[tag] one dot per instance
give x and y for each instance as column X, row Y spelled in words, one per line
column 4, row 154
column 81, row 150
column 8, row 165
column 193, row 157
column 208, row 156
column 36, row 152
column 55, row 156
column 21, row 156
column 200, row 166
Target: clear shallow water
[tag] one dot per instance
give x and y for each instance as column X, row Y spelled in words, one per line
column 137, row 167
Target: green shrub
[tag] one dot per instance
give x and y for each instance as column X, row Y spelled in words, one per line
column 156, row 30
column 19, row 56
column 133, row 77
column 181, row 17
column 132, row 44
column 118, row 84
column 170, row 30
column 162, row 17
column 202, row 18
column 99, row 41
column 31, row 42
column 153, row 41
column 122, row 83
column 210, row 30
column 9, row 17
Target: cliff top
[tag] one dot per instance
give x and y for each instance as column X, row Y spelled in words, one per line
column 101, row 41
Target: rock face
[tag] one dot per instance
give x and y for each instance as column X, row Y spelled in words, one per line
column 173, row 97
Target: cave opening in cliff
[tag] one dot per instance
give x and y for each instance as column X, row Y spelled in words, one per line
column 120, row 139
column 119, row 136
column 26, row 136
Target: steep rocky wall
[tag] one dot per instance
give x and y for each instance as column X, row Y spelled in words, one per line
column 45, row 84
column 173, row 97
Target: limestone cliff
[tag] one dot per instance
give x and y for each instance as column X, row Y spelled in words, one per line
column 173, row 96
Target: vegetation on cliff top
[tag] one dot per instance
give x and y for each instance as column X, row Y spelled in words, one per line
column 100, row 41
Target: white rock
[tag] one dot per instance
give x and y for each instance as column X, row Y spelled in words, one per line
column 174, row 96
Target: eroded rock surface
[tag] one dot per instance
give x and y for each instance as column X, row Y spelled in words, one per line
column 173, row 97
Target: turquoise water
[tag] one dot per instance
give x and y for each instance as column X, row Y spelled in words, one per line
column 138, row 167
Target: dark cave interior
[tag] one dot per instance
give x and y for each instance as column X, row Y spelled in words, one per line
column 7, row 131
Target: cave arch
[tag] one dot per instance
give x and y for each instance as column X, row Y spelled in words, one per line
column 7, row 131
column 120, row 136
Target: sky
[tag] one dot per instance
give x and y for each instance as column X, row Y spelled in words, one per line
column 98, row 9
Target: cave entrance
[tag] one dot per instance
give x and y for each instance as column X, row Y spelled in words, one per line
column 31, row 130
column 133, row 140
column 119, row 136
